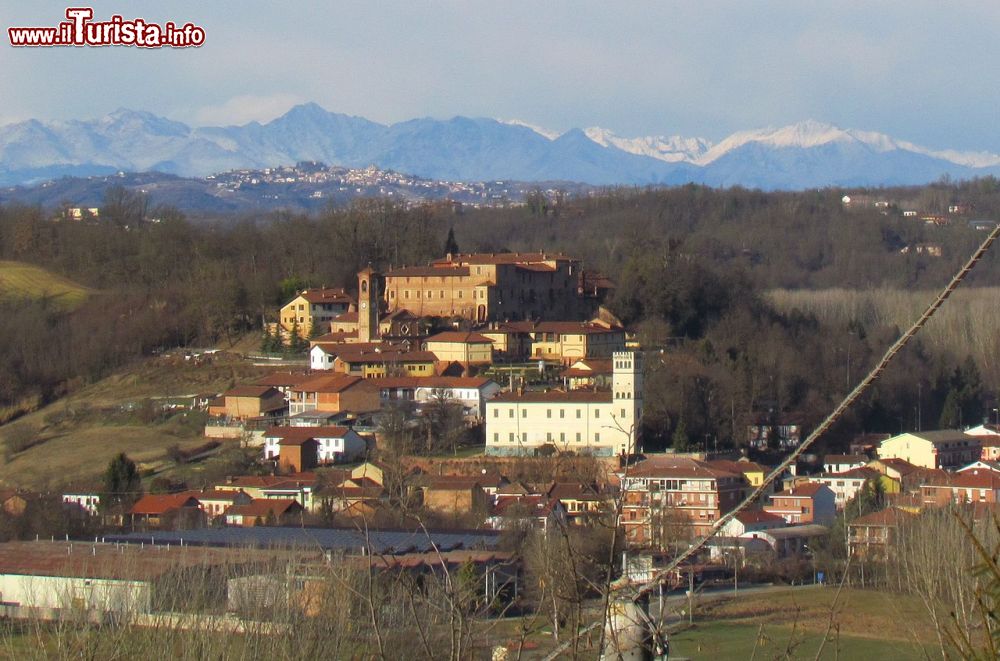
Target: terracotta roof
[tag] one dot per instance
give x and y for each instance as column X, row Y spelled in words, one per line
column 423, row 271
column 804, row 490
column 531, row 505
column 451, row 483
column 502, row 258
column 556, row 396
column 283, row 378
column 510, row 327
column 677, row 467
column 431, row 382
column 576, row 327
column 263, row 481
column 213, row 494
column 590, row 367
column 328, row 383
column 536, row 268
column 889, row 517
column 901, row 466
column 263, row 507
column 389, row 356
column 573, row 491
column 156, row 504
column 740, row 467
column 114, row 561
column 346, row 318
column 758, row 516
column 252, row 391
column 467, row 337
column 338, row 295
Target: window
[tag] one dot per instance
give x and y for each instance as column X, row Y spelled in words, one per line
column 578, row 414
column 496, row 438
column 623, row 414
column 548, row 413
column 597, row 413
column 597, row 438
column 511, row 413
column 562, row 413
column 406, row 294
column 442, row 293
column 524, row 413
column 577, row 437
column 548, row 437
column 562, row 437
column 511, row 437
column 524, row 437
column 496, row 413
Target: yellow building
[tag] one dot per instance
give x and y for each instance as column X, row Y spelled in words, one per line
column 947, row 448
column 391, row 362
column 314, row 306
column 570, row 341
column 598, row 423
column 489, row 287
column 466, row 348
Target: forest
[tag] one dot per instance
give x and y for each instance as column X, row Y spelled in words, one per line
column 751, row 303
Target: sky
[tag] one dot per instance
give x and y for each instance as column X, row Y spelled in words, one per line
column 917, row 70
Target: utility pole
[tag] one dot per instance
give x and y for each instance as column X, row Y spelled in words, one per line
column 691, row 597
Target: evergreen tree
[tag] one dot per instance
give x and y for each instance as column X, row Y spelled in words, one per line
column 450, row 245
column 267, row 344
column 679, row 440
column 122, row 483
column 951, row 413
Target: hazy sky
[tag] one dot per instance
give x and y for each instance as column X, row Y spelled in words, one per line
column 923, row 71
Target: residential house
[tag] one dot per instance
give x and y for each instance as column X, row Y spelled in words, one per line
column 791, row 540
column 772, row 429
column 215, row 502
column 176, row 510
column 595, row 422
column 670, row 499
column 263, row 486
column 873, row 535
column 333, row 393
column 805, row 503
column 87, row 501
column 838, row 463
column 569, row 341
column 471, row 391
column 390, row 362
column 313, row 307
column 511, row 339
column 588, row 373
column 278, row 512
column 946, row 448
column 467, row 348
column 284, row 381
column 297, row 452
column 582, row 502
column 540, row 512
column 336, row 444
column 973, row 486
column 453, row 494
column 250, row 401
column 848, row 484
column 751, row 521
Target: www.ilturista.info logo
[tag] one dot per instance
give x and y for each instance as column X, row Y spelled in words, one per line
column 80, row 30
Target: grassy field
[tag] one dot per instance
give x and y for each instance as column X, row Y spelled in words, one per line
column 20, row 280
column 70, row 442
column 866, row 624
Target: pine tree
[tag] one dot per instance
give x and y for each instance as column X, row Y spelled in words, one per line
column 450, row 245
column 680, row 440
column 122, row 482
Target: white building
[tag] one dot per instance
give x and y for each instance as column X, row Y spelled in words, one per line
column 847, row 484
column 599, row 423
column 473, row 392
column 335, row 444
column 89, row 502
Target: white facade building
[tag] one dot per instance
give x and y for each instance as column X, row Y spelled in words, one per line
column 598, row 423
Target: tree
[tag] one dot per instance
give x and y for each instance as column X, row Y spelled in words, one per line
column 122, row 483
column 679, row 440
column 124, row 207
column 450, row 245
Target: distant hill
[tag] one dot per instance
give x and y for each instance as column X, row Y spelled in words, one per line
column 20, row 280
column 805, row 155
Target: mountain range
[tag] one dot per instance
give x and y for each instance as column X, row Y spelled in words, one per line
column 805, row 155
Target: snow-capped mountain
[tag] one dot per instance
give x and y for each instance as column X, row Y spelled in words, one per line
column 672, row 148
column 804, row 155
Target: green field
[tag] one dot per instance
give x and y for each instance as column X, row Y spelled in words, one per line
column 729, row 640
column 20, row 280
